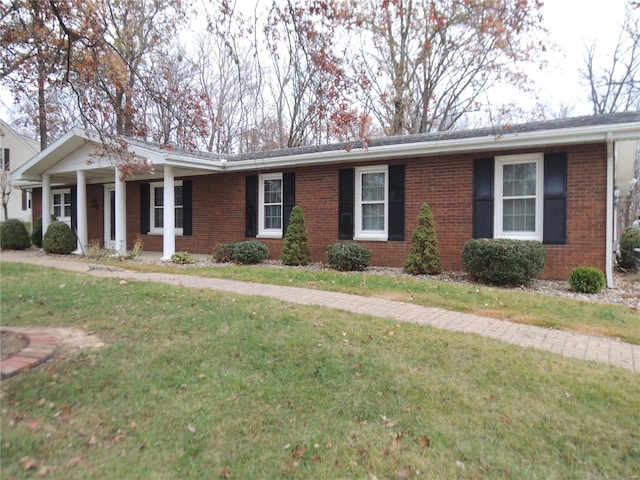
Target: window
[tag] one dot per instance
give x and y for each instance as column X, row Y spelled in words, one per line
column 26, row 201
column 371, row 209
column 519, row 197
column 270, row 196
column 61, row 205
column 5, row 163
column 157, row 207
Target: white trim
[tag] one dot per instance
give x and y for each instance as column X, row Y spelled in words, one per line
column 153, row 230
column 109, row 243
column 62, row 192
column 498, row 228
column 263, row 231
column 359, row 232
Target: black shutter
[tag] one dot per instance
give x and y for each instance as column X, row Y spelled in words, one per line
column 74, row 208
column 144, row 208
column 288, row 199
column 483, row 178
column 187, row 209
column 346, row 198
column 555, row 199
column 396, row 202
column 251, row 206
column 7, row 159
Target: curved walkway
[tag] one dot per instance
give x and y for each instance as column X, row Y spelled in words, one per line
column 585, row 347
column 40, row 348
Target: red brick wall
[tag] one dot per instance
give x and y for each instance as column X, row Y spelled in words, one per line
column 445, row 183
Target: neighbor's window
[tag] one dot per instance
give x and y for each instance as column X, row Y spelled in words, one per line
column 157, row 207
column 519, row 197
column 270, row 197
column 371, row 211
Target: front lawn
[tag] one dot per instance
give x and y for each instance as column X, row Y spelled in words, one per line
column 198, row 384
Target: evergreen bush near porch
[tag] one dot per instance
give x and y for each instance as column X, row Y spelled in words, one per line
column 59, row 239
column 36, row 235
column 629, row 241
column 295, row 249
column 14, row 235
column 424, row 257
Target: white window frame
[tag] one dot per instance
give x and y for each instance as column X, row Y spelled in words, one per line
column 152, row 206
column 61, row 192
column 498, row 228
column 264, row 232
column 360, row 233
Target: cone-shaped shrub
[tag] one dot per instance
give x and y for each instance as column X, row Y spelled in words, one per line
column 424, row 257
column 59, row 239
column 14, row 235
column 295, row 249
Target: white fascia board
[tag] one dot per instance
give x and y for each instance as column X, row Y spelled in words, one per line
column 536, row 139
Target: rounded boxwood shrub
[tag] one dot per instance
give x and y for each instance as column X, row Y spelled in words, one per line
column 348, row 256
column 222, row 253
column 295, row 248
column 36, row 235
column 59, row 239
column 424, row 257
column 249, row 252
column 629, row 241
column 14, row 235
column 502, row 261
column 586, row 280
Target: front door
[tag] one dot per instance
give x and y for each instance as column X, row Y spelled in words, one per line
column 110, row 216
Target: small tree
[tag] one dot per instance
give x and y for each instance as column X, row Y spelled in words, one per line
column 424, row 257
column 295, row 249
column 5, row 192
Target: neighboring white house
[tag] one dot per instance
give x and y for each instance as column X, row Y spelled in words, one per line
column 15, row 150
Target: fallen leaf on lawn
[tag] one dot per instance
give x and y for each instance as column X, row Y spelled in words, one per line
column 73, row 462
column 298, row 451
column 28, row 463
column 33, row 425
column 192, row 429
column 424, row 442
column 93, row 441
column 123, row 282
column 403, row 473
column 225, row 473
column 44, row 471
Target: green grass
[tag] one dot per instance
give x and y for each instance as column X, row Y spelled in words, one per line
column 613, row 321
column 197, row 384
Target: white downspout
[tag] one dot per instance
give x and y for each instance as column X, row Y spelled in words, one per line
column 610, row 210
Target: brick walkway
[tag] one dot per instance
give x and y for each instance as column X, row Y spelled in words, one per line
column 585, row 347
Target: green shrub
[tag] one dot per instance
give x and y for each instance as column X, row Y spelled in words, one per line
column 36, row 235
column 502, row 261
column 295, row 248
column 249, row 252
column 628, row 242
column 14, row 235
column 59, row 239
column 182, row 258
column 222, row 253
column 424, row 257
column 348, row 256
column 586, row 280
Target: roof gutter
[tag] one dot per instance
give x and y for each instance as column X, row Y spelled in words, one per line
column 610, row 211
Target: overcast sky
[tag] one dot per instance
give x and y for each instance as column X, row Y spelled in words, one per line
column 572, row 24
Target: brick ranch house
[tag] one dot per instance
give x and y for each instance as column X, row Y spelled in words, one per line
column 553, row 181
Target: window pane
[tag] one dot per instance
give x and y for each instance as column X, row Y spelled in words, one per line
column 158, row 196
column 57, row 210
column 372, row 187
column 519, row 215
column 57, row 199
column 519, row 179
column 67, row 211
column 179, row 200
column 67, row 198
column 158, row 217
column 179, row 217
column 373, row 216
column 273, row 191
column 272, row 216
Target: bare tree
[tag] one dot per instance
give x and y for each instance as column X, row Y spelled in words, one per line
column 5, row 192
column 430, row 60
column 616, row 86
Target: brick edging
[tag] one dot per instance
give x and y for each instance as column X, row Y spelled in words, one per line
column 40, row 348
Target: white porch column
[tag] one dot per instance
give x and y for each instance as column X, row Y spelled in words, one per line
column 81, row 210
column 121, row 215
column 169, row 215
column 46, row 202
